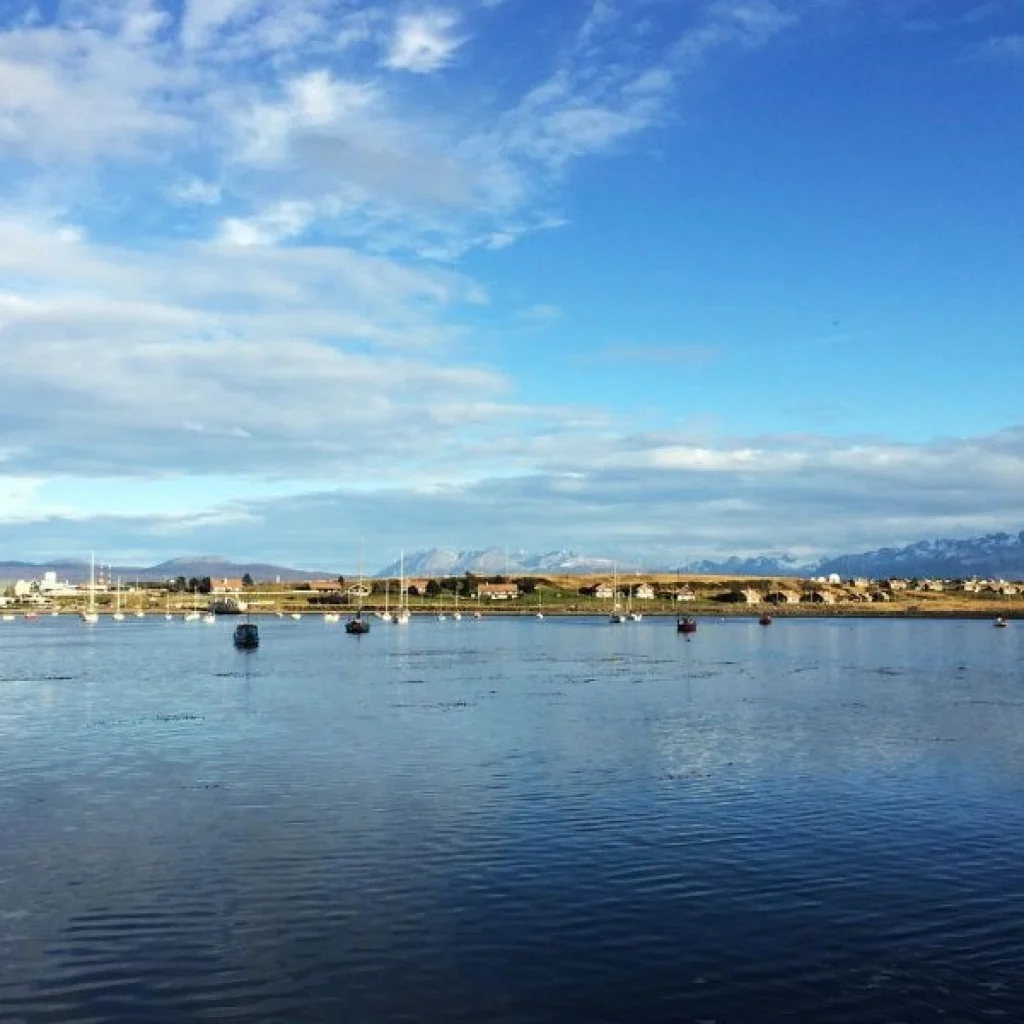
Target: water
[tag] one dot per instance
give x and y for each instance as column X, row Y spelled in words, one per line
column 512, row 820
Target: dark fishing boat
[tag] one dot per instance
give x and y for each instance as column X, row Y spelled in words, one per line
column 686, row 624
column 357, row 625
column 765, row 619
column 1000, row 623
column 247, row 636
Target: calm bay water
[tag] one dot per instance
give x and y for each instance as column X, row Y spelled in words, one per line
column 512, row 820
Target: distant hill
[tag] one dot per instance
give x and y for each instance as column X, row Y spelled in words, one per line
column 77, row 570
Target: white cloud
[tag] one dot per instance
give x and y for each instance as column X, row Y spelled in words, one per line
column 424, row 41
column 195, row 190
column 279, row 222
column 203, row 18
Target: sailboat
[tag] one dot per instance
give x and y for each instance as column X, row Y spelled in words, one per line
column 402, row 615
column 193, row 616
column 167, row 608
column 632, row 615
column 139, row 613
column 118, row 614
column 332, row 617
column 617, row 615
column 457, row 615
column 247, row 635
column 90, row 615
column 540, row 614
column 357, row 625
column 386, row 614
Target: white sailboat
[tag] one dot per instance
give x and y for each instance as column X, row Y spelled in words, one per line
column 193, row 616
column 633, row 616
column 457, row 615
column 386, row 615
column 90, row 615
column 118, row 614
column 402, row 615
column 357, row 625
column 139, row 613
column 617, row 615
column 332, row 617
column 167, row 608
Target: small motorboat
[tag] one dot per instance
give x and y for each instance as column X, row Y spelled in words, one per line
column 686, row 624
column 765, row 619
column 357, row 626
column 296, row 616
column 247, row 636
column 1000, row 623
column 332, row 617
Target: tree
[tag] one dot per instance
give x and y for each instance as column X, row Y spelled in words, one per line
column 433, row 588
column 246, row 580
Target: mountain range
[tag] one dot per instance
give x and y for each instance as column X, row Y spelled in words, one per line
column 77, row 570
column 492, row 561
column 993, row 555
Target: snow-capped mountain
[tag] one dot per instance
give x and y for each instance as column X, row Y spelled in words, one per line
column 759, row 565
column 495, row 561
column 994, row 555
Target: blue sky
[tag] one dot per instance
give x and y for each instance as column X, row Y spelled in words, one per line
column 656, row 279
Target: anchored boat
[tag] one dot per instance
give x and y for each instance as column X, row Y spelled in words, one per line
column 247, row 636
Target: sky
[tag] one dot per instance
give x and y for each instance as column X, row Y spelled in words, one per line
column 650, row 279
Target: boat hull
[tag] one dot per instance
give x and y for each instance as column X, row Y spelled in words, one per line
column 246, row 637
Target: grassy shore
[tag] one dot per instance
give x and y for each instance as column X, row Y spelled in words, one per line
column 561, row 595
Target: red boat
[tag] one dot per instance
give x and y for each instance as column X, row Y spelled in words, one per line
column 686, row 625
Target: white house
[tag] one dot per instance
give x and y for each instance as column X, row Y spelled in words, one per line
column 645, row 592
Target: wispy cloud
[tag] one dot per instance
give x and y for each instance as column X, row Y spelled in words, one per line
column 1002, row 48
column 424, row 42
